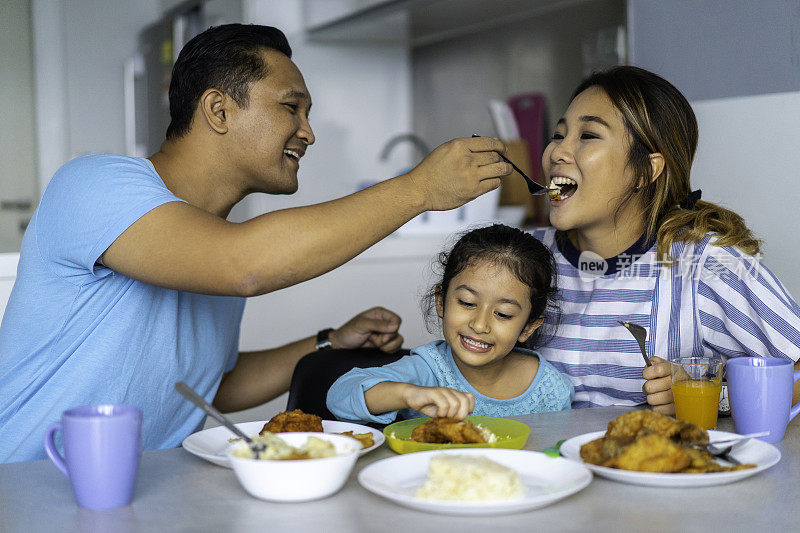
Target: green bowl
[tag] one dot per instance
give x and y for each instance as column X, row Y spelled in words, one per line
column 510, row 434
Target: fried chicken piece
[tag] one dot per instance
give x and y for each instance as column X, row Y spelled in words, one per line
column 651, row 453
column 365, row 439
column 612, row 447
column 289, row 421
column 650, row 442
column 447, row 431
column 592, row 452
column 628, row 427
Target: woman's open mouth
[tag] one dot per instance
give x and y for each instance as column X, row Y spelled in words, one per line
column 565, row 187
column 475, row 345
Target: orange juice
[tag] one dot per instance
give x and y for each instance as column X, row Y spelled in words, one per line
column 697, row 401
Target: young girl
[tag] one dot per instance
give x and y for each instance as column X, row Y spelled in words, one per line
column 496, row 284
column 685, row 269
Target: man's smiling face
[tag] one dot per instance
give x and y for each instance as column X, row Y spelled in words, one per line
column 271, row 133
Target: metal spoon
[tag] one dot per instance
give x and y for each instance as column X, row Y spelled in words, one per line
column 188, row 393
column 640, row 334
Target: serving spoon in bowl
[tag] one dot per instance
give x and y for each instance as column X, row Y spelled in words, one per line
column 189, row 393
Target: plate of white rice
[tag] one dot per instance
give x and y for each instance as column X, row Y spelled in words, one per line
column 474, row 481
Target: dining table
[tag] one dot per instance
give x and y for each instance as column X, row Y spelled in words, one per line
column 177, row 491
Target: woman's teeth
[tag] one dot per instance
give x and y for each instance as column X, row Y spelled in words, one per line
column 561, row 188
column 291, row 153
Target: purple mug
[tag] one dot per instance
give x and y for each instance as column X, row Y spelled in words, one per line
column 102, row 446
column 760, row 392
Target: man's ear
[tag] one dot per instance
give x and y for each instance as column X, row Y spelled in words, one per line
column 439, row 301
column 214, row 108
column 657, row 165
column 528, row 330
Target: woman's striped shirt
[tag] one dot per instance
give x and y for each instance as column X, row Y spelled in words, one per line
column 714, row 299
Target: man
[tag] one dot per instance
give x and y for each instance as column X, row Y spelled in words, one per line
column 131, row 279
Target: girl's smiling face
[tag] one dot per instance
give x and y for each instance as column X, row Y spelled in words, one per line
column 590, row 148
column 484, row 313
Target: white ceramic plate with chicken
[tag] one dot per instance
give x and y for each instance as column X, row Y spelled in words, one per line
column 210, row 444
column 759, row 453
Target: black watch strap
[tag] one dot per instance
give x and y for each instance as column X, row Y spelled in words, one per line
column 324, row 339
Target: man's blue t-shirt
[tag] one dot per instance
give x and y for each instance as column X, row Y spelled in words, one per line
column 77, row 333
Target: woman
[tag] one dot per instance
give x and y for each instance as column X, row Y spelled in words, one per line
column 633, row 242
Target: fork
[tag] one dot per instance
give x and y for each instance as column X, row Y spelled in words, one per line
column 533, row 187
column 640, row 334
column 187, row 392
column 724, row 453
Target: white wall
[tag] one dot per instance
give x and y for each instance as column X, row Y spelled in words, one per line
column 17, row 146
column 79, row 49
column 748, row 160
column 737, row 63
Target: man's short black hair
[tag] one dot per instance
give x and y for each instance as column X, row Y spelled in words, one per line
column 227, row 58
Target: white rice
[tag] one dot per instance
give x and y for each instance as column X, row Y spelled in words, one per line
column 470, row 478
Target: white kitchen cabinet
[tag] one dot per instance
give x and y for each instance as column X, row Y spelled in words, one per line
column 416, row 22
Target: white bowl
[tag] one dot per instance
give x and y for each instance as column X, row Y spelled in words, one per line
column 296, row 480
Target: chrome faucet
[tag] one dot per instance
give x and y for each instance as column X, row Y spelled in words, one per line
column 404, row 137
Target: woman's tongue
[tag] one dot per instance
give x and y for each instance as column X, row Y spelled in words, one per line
column 565, row 191
column 475, row 345
column 568, row 190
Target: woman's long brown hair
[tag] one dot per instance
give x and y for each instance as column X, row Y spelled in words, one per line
column 659, row 119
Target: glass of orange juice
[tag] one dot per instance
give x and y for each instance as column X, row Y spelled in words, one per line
column 696, row 386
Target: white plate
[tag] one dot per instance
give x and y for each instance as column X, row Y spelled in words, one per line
column 754, row 451
column 210, row 443
column 547, row 479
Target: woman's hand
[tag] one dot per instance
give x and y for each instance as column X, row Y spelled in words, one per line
column 373, row 328
column 658, row 386
column 439, row 401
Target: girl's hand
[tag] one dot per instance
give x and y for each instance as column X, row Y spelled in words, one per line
column 658, row 386
column 439, row 402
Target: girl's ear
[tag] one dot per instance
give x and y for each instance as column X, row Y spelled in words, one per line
column 528, row 330
column 439, row 301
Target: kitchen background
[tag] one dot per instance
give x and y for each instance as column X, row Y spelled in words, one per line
column 388, row 77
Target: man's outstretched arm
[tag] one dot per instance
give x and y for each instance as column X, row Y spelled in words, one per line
column 181, row 247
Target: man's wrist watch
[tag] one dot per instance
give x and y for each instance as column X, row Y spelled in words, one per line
column 324, row 340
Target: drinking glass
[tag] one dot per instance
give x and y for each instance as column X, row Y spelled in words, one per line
column 696, row 387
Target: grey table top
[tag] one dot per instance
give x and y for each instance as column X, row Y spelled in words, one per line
column 177, row 491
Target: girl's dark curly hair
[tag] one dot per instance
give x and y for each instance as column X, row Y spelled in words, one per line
column 529, row 260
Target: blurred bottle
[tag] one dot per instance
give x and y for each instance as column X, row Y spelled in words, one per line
column 724, row 401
